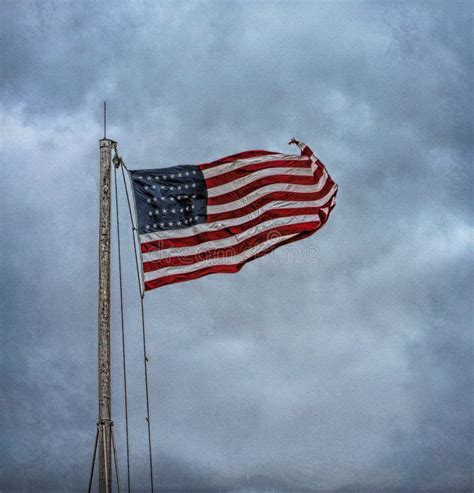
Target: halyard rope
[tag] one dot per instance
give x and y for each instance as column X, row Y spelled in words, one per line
column 123, row 330
column 118, row 161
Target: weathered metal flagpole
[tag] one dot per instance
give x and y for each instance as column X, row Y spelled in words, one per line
column 104, row 424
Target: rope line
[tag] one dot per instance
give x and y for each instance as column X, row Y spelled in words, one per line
column 145, row 355
column 106, row 467
column 119, row 250
column 112, row 431
column 145, row 361
column 134, row 231
column 89, row 489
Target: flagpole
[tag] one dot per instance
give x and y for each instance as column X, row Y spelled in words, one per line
column 104, row 423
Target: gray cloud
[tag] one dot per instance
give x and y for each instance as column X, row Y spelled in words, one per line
column 341, row 363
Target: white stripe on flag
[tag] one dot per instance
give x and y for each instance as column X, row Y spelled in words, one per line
column 230, row 241
column 236, row 259
column 215, row 226
column 265, row 190
column 223, row 168
column 257, row 175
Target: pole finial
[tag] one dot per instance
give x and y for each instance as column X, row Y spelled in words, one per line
column 105, row 119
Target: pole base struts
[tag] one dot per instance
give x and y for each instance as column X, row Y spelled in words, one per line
column 105, row 436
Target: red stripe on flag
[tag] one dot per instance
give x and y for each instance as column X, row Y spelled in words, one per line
column 306, row 151
column 230, row 251
column 271, row 197
column 235, row 157
column 220, row 269
column 234, row 195
column 226, row 231
column 215, row 181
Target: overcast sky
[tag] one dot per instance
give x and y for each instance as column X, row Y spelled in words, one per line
column 339, row 363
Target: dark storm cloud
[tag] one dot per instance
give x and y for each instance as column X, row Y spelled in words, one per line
column 341, row 363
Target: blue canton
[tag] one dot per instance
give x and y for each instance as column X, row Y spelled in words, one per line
column 169, row 198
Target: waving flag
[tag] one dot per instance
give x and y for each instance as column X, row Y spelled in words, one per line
column 195, row 220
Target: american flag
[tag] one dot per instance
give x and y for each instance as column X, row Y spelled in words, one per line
column 195, row 220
